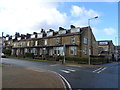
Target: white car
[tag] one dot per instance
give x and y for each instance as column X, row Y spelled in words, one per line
column 3, row 55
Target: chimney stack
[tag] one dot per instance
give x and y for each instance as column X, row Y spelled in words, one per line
column 72, row 26
column 61, row 28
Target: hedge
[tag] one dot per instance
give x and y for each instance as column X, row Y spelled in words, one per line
column 7, row 51
column 79, row 60
column 28, row 54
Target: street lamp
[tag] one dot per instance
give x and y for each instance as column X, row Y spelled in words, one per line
column 89, row 37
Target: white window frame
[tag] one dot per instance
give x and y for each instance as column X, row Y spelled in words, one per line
column 39, row 35
column 36, row 43
column 28, row 43
column 57, row 41
column 85, row 40
column 74, row 50
column 33, row 36
column 62, row 32
column 72, row 40
column 75, row 30
column 49, row 34
column 46, row 42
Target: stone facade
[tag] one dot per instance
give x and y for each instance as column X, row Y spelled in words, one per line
column 74, row 41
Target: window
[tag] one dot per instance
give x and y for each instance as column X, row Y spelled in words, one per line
column 57, row 41
column 103, row 43
column 46, row 42
column 39, row 35
column 58, row 51
column 28, row 43
column 34, row 51
column 49, row 34
column 75, row 30
column 36, row 43
column 25, row 50
column 73, row 40
column 50, row 52
column 62, row 32
column 33, row 36
column 85, row 40
column 14, row 44
column 19, row 38
column 41, row 50
column 85, row 50
column 73, row 51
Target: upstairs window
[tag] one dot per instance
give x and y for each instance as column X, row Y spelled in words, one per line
column 36, row 43
column 57, row 41
column 39, row 35
column 85, row 40
column 49, row 34
column 73, row 40
column 75, row 30
column 62, row 32
column 46, row 42
column 28, row 43
column 103, row 43
column 33, row 36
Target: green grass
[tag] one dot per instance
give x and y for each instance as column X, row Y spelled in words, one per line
column 29, row 59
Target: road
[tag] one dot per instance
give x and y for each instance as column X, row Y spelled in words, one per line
column 78, row 77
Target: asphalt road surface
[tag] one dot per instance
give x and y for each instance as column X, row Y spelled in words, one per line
column 106, row 77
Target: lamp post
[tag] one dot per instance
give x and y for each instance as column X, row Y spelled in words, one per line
column 89, row 37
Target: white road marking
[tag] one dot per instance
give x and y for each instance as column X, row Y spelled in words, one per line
column 101, row 70
column 97, row 69
column 65, row 71
column 71, row 70
column 69, row 86
column 54, row 65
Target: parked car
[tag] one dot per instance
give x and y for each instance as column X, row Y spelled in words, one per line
column 3, row 55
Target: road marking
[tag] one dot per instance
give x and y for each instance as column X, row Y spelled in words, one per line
column 54, row 65
column 71, row 70
column 65, row 80
column 70, row 88
column 65, row 71
column 101, row 70
column 97, row 69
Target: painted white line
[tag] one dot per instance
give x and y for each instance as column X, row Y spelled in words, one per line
column 65, row 71
column 54, row 65
column 71, row 70
column 97, row 69
column 101, row 70
column 69, row 86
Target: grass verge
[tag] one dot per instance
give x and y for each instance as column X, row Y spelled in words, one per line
column 29, row 59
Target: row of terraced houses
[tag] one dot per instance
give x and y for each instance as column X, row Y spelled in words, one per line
column 69, row 42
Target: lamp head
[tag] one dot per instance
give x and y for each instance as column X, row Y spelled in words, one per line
column 96, row 17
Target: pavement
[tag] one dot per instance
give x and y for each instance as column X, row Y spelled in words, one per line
column 24, row 77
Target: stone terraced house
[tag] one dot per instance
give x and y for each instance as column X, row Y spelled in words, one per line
column 73, row 41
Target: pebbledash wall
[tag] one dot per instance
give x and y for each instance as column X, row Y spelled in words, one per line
column 74, row 41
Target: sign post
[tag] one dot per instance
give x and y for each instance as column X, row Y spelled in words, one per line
column 64, row 48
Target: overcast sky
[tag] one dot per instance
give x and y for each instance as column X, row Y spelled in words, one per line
column 27, row 16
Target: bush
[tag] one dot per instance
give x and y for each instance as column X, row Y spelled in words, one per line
column 7, row 52
column 76, row 59
column 95, row 60
column 29, row 54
